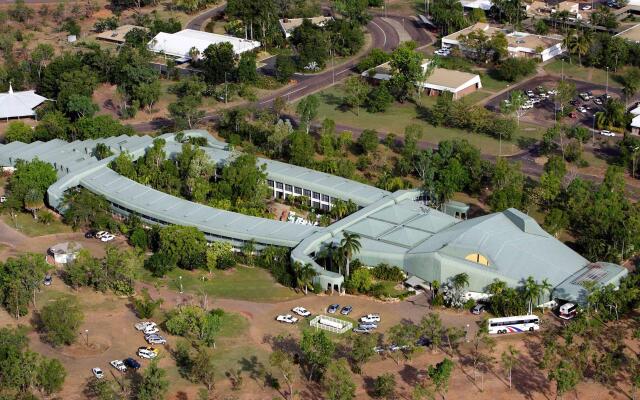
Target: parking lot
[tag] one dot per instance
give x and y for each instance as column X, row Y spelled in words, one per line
column 543, row 111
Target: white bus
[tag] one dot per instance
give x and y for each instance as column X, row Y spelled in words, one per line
column 517, row 324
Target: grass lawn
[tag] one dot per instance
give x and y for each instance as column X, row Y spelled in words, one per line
column 586, row 74
column 493, row 85
column 232, row 325
column 25, row 223
column 242, row 283
column 399, row 116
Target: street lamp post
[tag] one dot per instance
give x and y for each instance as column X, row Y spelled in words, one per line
column 466, row 334
column 180, row 280
column 607, row 90
column 86, row 334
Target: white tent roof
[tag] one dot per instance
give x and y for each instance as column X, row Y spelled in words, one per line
column 481, row 4
column 178, row 44
column 19, row 104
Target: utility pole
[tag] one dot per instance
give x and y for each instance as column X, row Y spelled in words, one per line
column 226, row 92
column 607, row 91
column 333, row 70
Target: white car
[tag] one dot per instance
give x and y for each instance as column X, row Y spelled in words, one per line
column 552, row 92
column 526, row 106
column 301, row 311
column 107, row 238
column 287, row 319
column 155, row 339
column 145, row 353
column 607, row 133
column 586, row 7
column 582, row 109
column 97, row 372
column 379, row 349
column 370, row 318
column 395, row 347
column 150, row 330
column 100, row 234
column 144, row 325
column 530, row 93
column 119, row 365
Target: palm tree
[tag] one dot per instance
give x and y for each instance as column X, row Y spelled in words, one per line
column 578, row 44
column 305, row 275
column 460, row 281
column 613, row 114
column 532, row 290
column 545, row 287
column 33, row 201
column 339, row 209
column 349, row 245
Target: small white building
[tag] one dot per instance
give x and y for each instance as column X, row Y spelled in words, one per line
column 179, row 44
column 19, row 104
column 65, row 252
column 441, row 80
column 635, row 122
column 289, row 24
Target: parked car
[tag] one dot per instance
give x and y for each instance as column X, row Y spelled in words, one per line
column 107, row 238
column 90, row 234
column 131, row 363
column 287, row 319
column 301, row 311
column 100, row 234
column 119, row 365
column 370, row 318
column 423, row 341
column 552, row 92
column 530, row 93
column 395, row 347
column 150, row 330
column 586, row 7
column 346, row 310
column 597, row 101
column 155, row 339
column 582, row 109
column 607, row 133
column 144, row 324
column 97, row 372
column 368, row 325
column 379, row 349
column 48, row 279
column 477, row 309
column 144, row 352
column 3, row 199
column 333, row 308
column 361, row 330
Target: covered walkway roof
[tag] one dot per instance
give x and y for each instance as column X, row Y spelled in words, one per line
column 168, row 209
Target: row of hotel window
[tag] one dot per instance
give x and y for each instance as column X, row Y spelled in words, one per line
column 317, row 200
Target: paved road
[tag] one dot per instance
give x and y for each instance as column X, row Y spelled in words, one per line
column 200, row 20
column 383, row 36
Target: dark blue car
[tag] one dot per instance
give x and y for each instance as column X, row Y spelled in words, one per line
column 346, row 310
column 131, row 363
column 333, row 308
